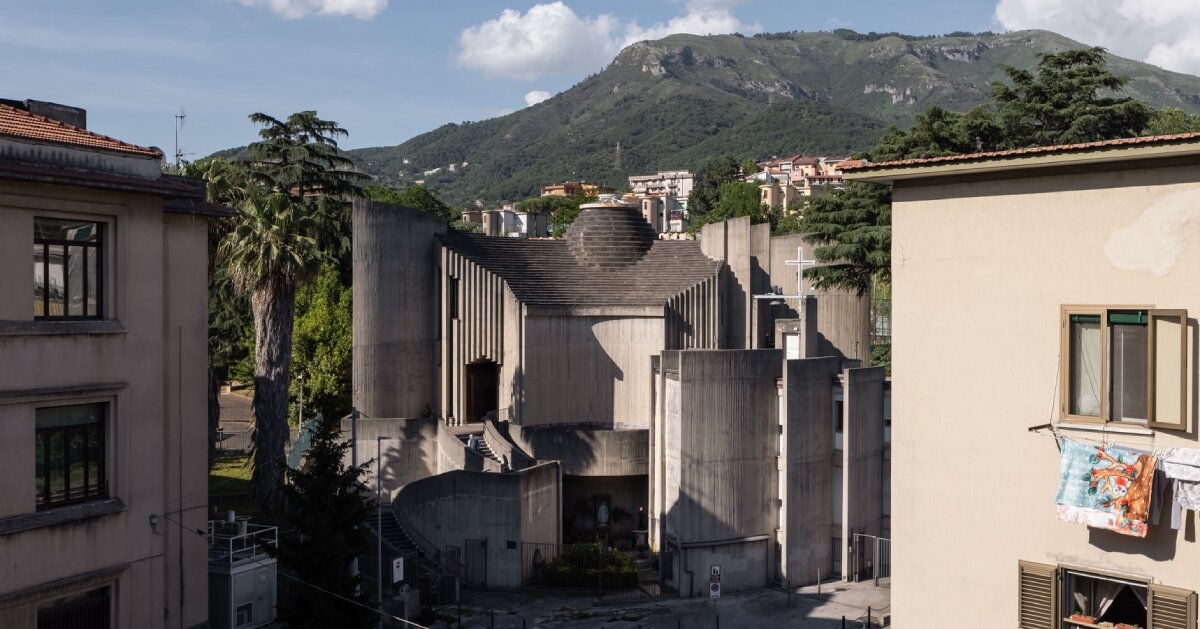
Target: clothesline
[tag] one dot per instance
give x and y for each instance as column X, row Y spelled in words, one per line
column 1049, row 430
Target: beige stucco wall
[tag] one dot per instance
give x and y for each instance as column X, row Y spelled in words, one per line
column 980, row 271
column 151, row 365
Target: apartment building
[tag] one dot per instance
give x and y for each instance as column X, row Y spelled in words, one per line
column 103, row 379
column 676, row 183
column 575, row 188
column 1045, row 356
column 785, row 182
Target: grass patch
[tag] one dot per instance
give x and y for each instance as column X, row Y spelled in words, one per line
column 229, row 486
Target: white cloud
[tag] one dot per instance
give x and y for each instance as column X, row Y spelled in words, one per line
column 552, row 39
column 295, row 9
column 1165, row 32
column 535, row 97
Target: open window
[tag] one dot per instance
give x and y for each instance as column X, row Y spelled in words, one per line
column 1060, row 597
column 1124, row 365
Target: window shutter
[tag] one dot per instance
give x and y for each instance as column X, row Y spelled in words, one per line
column 1172, row 608
column 1037, row 607
column 1168, row 369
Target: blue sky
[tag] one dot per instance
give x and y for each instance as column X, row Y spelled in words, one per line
column 390, row 69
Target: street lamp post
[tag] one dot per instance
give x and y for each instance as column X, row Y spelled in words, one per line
column 300, row 379
column 379, row 525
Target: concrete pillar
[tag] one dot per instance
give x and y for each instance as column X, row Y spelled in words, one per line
column 862, row 457
column 808, row 458
column 395, row 298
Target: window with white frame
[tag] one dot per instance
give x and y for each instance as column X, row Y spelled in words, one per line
column 1124, row 365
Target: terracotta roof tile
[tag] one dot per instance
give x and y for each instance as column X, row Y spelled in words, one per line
column 18, row 123
column 863, row 165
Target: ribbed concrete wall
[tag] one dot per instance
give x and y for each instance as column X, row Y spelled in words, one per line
column 730, row 241
column 862, row 455
column 693, row 317
column 395, row 333
column 476, row 333
column 809, row 467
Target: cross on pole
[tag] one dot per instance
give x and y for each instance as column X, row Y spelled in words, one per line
column 800, row 263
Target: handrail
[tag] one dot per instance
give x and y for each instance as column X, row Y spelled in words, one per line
column 518, row 459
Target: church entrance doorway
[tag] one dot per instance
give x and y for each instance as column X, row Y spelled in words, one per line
column 482, row 390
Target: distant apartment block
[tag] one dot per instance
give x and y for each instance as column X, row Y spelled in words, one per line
column 509, row 222
column 576, row 188
column 677, row 183
column 663, row 198
column 103, row 379
column 784, row 182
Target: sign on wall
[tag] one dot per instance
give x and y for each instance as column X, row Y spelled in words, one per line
column 397, row 569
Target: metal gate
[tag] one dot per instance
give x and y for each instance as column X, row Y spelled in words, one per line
column 475, row 573
column 871, row 558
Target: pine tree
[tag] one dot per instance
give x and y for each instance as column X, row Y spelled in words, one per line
column 325, row 523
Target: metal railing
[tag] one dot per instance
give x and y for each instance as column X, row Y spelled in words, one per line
column 234, row 542
column 871, row 559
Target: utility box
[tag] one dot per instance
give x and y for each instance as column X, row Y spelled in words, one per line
column 241, row 574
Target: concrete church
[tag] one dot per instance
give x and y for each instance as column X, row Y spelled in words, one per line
column 609, row 385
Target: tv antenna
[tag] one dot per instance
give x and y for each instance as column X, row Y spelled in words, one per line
column 180, row 118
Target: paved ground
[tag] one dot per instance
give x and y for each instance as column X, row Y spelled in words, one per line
column 758, row 609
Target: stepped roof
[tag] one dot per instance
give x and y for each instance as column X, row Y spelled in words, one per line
column 609, row 256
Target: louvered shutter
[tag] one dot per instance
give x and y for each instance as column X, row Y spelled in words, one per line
column 1172, row 608
column 1037, row 606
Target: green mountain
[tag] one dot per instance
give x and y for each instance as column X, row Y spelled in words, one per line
column 674, row 102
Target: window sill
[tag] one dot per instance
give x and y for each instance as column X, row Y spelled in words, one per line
column 1109, row 428
column 60, row 515
column 38, row 328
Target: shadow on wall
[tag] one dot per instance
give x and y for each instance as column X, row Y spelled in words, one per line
column 569, row 375
column 405, row 456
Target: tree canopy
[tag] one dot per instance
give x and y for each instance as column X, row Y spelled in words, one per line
column 1069, row 97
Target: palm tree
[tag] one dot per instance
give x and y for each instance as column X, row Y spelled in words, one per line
column 271, row 249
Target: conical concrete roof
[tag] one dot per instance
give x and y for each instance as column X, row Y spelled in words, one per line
column 609, row 234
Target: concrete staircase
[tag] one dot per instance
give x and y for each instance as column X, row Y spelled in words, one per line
column 484, row 448
column 395, row 534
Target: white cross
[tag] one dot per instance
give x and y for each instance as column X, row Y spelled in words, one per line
column 800, row 263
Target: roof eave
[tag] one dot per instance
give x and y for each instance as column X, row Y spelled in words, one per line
column 1032, row 165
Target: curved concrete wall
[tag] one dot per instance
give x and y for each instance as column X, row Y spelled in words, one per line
column 504, row 510
column 587, row 452
column 395, row 296
column 453, row 455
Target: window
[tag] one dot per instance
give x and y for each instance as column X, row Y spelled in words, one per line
column 87, row 610
column 1125, row 365
column 1057, row 597
column 68, row 278
column 245, row 615
column 70, row 456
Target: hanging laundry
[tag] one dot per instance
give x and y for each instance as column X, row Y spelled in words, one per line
column 1107, row 488
column 1182, row 466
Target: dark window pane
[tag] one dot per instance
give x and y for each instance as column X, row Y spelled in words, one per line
column 76, row 448
column 88, row 610
column 55, row 281
column 75, row 273
column 63, row 229
column 58, row 461
column 71, row 455
column 39, row 279
column 1083, row 386
column 93, row 288
column 96, row 456
column 1127, row 348
column 39, row 461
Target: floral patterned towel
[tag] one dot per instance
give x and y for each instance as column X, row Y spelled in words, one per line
column 1105, row 488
